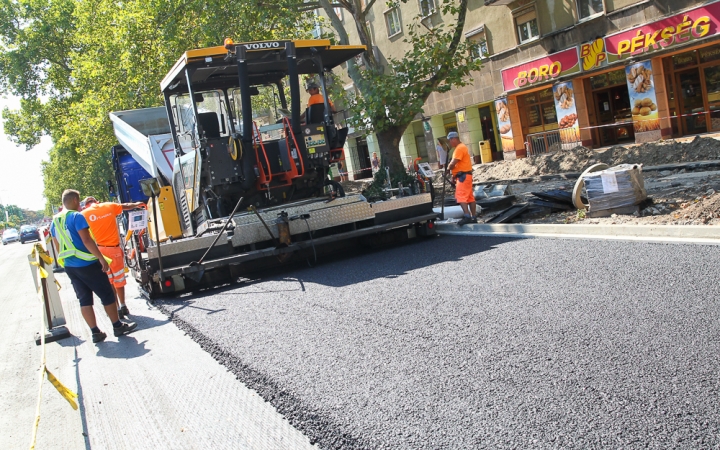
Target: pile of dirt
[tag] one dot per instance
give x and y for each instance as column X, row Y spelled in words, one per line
column 686, row 209
column 579, row 158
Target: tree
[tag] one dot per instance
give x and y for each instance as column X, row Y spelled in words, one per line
column 391, row 97
column 72, row 62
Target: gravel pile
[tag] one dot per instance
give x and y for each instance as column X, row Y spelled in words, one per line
column 481, row 343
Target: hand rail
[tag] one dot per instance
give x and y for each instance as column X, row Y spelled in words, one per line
column 258, row 136
column 289, row 132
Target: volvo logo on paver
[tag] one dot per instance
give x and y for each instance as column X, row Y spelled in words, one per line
column 262, row 45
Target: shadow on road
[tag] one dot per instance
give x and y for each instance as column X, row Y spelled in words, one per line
column 126, row 347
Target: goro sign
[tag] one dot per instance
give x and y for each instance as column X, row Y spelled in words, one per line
column 541, row 70
column 698, row 23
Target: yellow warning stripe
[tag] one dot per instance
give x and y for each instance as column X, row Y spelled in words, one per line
column 67, row 394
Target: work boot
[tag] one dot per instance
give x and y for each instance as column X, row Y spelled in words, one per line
column 464, row 221
column 123, row 312
column 125, row 328
column 98, row 337
column 473, row 219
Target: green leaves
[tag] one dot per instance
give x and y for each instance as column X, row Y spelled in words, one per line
column 72, row 62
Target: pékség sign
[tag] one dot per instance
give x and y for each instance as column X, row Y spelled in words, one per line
column 541, row 70
column 695, row 24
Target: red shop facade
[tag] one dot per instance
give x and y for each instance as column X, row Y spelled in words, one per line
column 655, row 81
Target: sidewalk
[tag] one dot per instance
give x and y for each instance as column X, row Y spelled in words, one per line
column 154, row 388
column 685, row 234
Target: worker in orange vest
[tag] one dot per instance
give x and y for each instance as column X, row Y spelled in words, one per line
column 102, row 218
column 461, row 167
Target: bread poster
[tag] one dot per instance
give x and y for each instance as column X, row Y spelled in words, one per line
column 643, row 102
column 505, row 129
column 568, row 125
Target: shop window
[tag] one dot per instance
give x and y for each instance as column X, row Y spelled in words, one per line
column 539, row 111
column 589, row 8
column 392, row 20
column 604, row 80
column 427, row 7
column 527, row 25
column 709, row 54
column 684, row 60
column 712, row 85
column 477, row 36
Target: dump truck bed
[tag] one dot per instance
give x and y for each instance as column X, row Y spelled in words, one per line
column 145, row 133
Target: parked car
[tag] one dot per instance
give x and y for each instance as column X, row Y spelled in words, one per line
column 10, row 235
column 29, row 233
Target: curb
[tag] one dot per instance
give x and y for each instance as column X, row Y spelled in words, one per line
column 695, row 165
column 699, row 234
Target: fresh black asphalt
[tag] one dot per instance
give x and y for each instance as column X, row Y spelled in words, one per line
column 477, row 342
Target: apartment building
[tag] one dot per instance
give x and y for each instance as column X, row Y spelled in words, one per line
column 558, row 73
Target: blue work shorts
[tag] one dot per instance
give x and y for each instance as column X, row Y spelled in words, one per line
column 89, row 279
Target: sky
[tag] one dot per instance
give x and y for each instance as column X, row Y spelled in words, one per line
column 21, row 181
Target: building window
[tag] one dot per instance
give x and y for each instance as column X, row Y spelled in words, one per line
column 427, row 7
column 527, row 25
column 589, row 8
column 477, row 36
column 392, row 19
column 317, row 30
column 339, row 13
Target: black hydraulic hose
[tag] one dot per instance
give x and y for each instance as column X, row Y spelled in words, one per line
column 227, row 222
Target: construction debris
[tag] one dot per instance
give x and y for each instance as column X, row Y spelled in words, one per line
column 617, row 190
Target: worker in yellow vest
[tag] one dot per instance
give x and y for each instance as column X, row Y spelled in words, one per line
column 85, row 266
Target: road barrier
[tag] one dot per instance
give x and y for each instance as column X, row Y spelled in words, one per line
column 49, row 289
column 52, row 319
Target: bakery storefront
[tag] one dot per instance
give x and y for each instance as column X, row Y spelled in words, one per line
column 670, row 70
column 693, row 82
column 650, row 82
column 542, row 112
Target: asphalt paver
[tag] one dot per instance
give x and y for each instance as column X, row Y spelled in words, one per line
column 477, row 342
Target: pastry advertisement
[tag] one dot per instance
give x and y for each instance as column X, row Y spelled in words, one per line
column 567, row 117
column 643, row 102
column 504, row 127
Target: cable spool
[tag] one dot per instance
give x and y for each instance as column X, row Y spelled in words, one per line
column 235, row 148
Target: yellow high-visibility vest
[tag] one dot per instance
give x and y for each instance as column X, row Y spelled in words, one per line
column 67, row 248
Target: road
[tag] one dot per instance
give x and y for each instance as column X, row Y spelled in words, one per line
column 467, row 342
column 19, row 321
column 152, row 389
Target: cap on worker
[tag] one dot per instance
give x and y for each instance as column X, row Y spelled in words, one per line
column 453, row 134
column 311, row 85
column 89, row 201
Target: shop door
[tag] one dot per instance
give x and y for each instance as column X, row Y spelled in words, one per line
column 613, row 107
column 712, row 87
column 692, row 104
column 488, row 131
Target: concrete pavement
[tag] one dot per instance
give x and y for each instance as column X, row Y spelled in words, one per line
column 687, row 234
column 155, row 388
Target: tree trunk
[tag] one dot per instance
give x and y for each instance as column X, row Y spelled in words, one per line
column 389, row 143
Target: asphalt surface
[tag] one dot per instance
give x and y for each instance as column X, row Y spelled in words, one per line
column 477, row 342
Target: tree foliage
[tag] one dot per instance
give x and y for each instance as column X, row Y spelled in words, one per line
column 17, row 216
column 392, row 95
column 72, row 62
